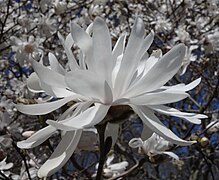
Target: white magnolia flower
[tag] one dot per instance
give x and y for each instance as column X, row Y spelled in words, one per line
column 187, row 59
column 103, row 78
column 113, row 169
column 24, row 47
column 153, row 146
column 4, row 167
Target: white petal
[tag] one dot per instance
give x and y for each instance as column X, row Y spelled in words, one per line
column 61, row 154
column 163, row 97
column 146, row 132
column 88, row 118
column 171, row 154
column 102, row 50
column 67, row 44
column 54, row 64
column 37, row 138
column 112, row 129
column 131, row 57
column 183, row 87
column 48, row 76
column 152, row 60
column 89, row 84
column 135, row 143
column 119, row 46
column 44, row 108
column 191, row 117
column 81, row 38
column 33, row 83
column 148, row 117
column 146, row 44
column 161, row 72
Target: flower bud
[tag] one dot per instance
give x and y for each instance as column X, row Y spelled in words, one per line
column 28, row 133
column 204, row 141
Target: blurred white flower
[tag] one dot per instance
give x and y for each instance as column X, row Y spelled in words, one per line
column 186, row 61
column 113, row 169
column 102, row 78
column 4, row 167
column 23, row 174
column 182, row 34
column 153, row 146
column 6, row 141
column 46, row 25
column 24, row 47
column 60, row 7
column 213, row 38
column 162, row 24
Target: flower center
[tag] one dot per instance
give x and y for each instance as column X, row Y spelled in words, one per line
column 28, row 48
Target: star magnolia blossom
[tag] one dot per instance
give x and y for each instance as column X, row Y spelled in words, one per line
column 103, row 78
column 153, row 146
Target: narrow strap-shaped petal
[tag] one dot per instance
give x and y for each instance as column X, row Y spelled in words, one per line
column 33, row 83
column 54, row 64
column 148, row 117
column 171, row 154
column 146, row 44
column 131, row 57
column 44, row 108
column 161, row 72
column 119, row 46
column 163, row 97
column 37, row 138
column 102, row 50
column 61, row 154
column 81, row 38
column 183, row 87
column 88, row 118
column 67, row 44
column 191, row 117
column 112, row 130
column 84, row 42
column 48, row 76
column 89, row 84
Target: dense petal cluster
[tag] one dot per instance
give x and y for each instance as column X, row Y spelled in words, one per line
column 104, row 77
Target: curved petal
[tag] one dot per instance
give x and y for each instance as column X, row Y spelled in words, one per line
column 161, row 72
column 89, row 84
column 37, row 138
column 164, row 97
column 88, row 118
column 183, row 87
column 43, row 108
column 135, row 143
column 61, row 154
column 191, row 117
column 33, row 83
column 171, row 154
column 148, row 117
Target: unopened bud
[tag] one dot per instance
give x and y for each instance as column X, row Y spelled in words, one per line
column 204, row 141
column 28, row 133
